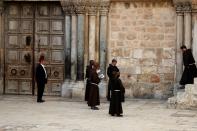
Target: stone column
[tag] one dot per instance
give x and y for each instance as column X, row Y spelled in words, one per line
column 194, row 44
column 187, row 25
column 103, row 40
column 67, row 46
column 74, row 47
column 86, row 44
column 1, row 49
column 80, row 45
column 179, row 42
column 92, row 34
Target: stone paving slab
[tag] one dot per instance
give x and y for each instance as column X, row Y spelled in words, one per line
column 22, row 113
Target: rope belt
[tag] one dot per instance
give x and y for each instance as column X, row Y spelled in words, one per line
column 116, row 90
column 94, row 84
column 192, row 64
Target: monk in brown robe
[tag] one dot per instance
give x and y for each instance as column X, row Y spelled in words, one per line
column 94, row 99
column 88, row 85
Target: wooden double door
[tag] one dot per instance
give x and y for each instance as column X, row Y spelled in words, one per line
column 33, row 29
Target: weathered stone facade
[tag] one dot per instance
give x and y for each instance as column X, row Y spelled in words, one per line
column 143, row 40
column 143, row 35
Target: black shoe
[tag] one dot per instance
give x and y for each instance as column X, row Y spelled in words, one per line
column 182, row 87
column 40, row 101
column 119, row 115
column 94, row 108
column 112, row 114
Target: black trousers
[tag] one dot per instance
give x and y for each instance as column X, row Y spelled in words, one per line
column 40, row 91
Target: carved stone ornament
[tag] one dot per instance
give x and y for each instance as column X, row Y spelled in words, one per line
column 13, row 72
column 82, row 6
column 183, row 5
column 1, row 7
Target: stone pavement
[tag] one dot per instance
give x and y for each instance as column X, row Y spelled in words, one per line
column 22, row 113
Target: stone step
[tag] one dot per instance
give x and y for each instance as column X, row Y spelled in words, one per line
column 195, row 80
column 189, row 88
column 172, row 102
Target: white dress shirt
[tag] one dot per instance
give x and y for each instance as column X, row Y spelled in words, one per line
column 44, row 70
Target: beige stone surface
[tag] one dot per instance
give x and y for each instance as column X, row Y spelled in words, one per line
column 142, row 38
column 186, row 98
column 22, row 113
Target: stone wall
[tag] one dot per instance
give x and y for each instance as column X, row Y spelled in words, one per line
column 142, row 37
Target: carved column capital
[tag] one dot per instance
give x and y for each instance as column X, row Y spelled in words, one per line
column 187, row 7
column 82, row 6
column 104, row 7
column 183, row 7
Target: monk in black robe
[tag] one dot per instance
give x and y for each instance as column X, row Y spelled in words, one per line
column 94, row 99
column 88, row 71
column 190, row 70
column 112, row 67
column 117, row 96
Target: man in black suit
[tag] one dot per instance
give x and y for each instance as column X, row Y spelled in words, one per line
column 41, row 78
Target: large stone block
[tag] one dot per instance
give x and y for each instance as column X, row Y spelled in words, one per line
column 103, row 88
column 66, row 90
column 1, row 87
column 78, row 90
column 142, row 90
column 195, row 80
column 137, row 53
column 149, row 53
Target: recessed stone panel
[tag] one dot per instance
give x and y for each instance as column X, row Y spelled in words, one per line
column 27, row 11
column 27, row 26
column 13, row 10
column 57, row 41
column 25, row 87
column 43, row 11
column 12, row 85
column 42, row 26
column 57, row 56
column 43, row 41
column 57, row 26
column 56, row 87
column 13, row 25
column 56, row 11
column 13, row 40
column 13, row 56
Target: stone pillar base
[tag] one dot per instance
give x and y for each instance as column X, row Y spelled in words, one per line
column 103, row 89
column 1, row 88
column 73, row 89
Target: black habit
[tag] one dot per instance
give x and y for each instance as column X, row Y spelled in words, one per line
column 190, row 70
column 117, row 96
column 110, row 69
column 94, row 99
column 87, row 91
column 41, row 79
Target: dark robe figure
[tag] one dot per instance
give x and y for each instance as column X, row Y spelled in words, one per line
column 88, row 71
column 117, row 96
column 94, row 99
column 112, row 67
column 190, row 70
column 41, row 79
